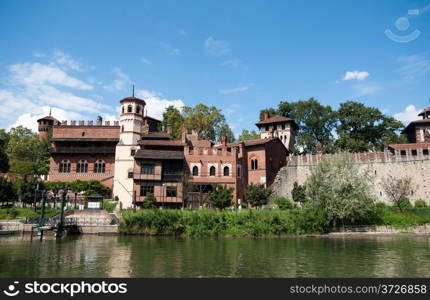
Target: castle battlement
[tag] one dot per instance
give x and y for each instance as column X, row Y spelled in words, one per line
column 88, row 123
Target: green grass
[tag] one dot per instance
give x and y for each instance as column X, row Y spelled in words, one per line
column 214, row 223
column 13, row 213
column 411, row 217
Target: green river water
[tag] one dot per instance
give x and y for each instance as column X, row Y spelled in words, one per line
column 138, row 256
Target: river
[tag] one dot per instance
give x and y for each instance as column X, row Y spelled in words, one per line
column 138, row 256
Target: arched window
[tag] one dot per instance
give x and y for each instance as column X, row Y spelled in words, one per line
column 129, row 108
column 122, row 128
column 212, row 171
column 123, row 109
column 99, row 166
column 138, row 109
column 226, row 171
column 65, row 166
column 195, row 171
column 82, row 166
column 254, row 164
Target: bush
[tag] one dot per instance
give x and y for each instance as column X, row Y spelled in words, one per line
column 283, row 203
column 109, row 205
column 221, row 196
column 420, row 204
column 150, row 201
column 12, row 212
column 257, row 195
column 380, row 205
column 344, row 193
column 298, row 193
column 404, row 204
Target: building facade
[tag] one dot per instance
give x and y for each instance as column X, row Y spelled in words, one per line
column 133, row 157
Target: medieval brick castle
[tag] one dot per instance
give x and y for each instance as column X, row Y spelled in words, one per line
column 133, row 158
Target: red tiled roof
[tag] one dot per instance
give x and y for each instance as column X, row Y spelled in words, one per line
column 133, row 99
column 161, row 143
column 48, row 118
column 411, row 146
column 148, row 117
column 424, row 111
column 277, row 119
column 156, row 135
column 413, row 123
column 159, row 154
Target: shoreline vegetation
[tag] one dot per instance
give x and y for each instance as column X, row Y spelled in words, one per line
column 255, row 223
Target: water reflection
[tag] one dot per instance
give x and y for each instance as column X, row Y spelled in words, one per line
column 135, row 256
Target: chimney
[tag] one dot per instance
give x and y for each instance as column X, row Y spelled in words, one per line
column 265, row 115
column 169, row 129
column 224, row 141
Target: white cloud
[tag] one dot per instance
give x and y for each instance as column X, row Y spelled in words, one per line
column 410, row 114
column 66, row 61
column 355, row 75
column 234, row 62
column 216, row 47
column 368, row 89
column 156, row 104
column 234, row 90
column 39, row 54
column 37, row 74
column 146, row 61
column 414, row 66
column 123, row 81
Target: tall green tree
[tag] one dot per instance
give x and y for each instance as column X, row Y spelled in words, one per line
column 172, row 117
column 6, row 191
column 361, row 128
column 248, row 135
column 4, row 161
column 257, row 195
column 225, row 130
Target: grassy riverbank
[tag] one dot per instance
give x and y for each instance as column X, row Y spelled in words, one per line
column 252, row 222
column 12, row 213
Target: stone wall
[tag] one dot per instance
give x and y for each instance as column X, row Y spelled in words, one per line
column 380, row 165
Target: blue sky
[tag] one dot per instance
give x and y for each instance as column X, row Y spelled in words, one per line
column 81, row 57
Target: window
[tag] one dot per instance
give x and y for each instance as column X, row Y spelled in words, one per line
column 147, row 169
column 99, row 166
column 414, row 152
column 146, row 189
column 133, row 152
column 254, row 164
column 83, row 133
column 138, row 109
column 239, row 171
column 123, row 109
column 64, row 166
column 129, row 108
column 130, row 174
column 171, row 191
column 82, row 166
column 426, row 152
column 195, row 171
column 212, row 171
column 226, row 171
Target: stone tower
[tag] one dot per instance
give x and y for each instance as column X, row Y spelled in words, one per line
column 418, row 131
column 278, row 127
column 131, row 123
column 45, row 125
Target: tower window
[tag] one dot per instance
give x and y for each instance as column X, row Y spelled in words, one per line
column 212, row 171
column 132, row 152
column 123, row 109
column 254, row 164
column 195, row 171
column 82, row 166
column 147, row 169
column 129, row 108
column 99, row 166
column 226, row 171
column 64, row 166
column 83, row 133
column 138, row 109
column 171, row 191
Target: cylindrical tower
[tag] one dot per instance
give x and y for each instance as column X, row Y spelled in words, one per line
column 45, row 125
column 131, row 120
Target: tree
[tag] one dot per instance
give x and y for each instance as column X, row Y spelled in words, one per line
column 225, row 130
column 150, row 201
column 76, row 187
column 298, row 193
column 6, row 192
column 337, row 186
column 248, row 135
column 362, row 128
column 26, row 190
column 172, row 117
column 205, row 120
column 221, row 196
column 4, row 161
column 26, row 153
column 257, row 195
column 398, row 190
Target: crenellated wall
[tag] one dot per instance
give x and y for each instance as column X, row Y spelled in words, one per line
column 380, row 165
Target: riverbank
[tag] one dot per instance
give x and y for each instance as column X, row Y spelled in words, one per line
column 266, row 222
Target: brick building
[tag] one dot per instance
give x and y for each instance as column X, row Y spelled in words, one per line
column 134, row 157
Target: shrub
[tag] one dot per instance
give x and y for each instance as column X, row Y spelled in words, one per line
column 398, row 189
column 109, row 205
column 221, row 196
column 12, row 212
column 257, row 195
column 344, row 193
column 380, row 205
column 150, row 201
column 283, row 203
column 404, row 204
column 298, row 193
column 420, row 204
